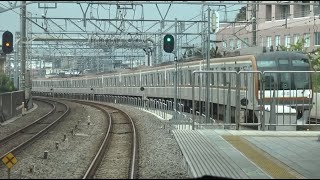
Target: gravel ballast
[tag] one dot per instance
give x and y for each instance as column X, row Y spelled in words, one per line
column 159, row 154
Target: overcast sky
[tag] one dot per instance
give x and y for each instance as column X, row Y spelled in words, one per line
column 10, row 20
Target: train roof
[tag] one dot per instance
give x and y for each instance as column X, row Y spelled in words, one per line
column 278, row 54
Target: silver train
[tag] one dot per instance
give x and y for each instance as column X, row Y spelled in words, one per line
column 257, row 77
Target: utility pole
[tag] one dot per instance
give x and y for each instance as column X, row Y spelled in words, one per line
column 176, row 72
column 23, row 49
column 254, row 24
column 286, row 11
column 208, row 68
column 16, row 55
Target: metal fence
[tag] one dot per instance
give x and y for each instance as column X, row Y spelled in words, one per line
column 269, row 100
column 9, row 104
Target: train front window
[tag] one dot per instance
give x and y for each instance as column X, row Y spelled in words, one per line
column 270, row 78
column 266, row 64
column 301, row 80
column 285, row 81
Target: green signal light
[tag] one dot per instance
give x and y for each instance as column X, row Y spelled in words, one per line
column 168, row 39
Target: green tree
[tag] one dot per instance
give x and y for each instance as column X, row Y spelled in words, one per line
column 6, row 85
column 314, row 56
column 298, row 46
column 241, row 16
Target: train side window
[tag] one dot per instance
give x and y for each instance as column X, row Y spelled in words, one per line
column 283, row 61
column 137, row 80
column 163, row 79
column 223, row 77
column 152, row 79
column 203, row 75
column 190, row 76
column 184, row 80
column 197, row 79
column 128, row 81
column 181, row 78
column 146, row 80
column 167, row 78
column 211, row 78
column 131, row 80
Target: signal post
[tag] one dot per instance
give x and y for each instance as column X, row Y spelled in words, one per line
column 7, row 48
column 169, row 46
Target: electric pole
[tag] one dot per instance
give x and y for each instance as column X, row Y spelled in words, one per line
column 23, row 49
column 254, row 23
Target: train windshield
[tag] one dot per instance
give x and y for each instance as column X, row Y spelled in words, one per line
column 285, row 81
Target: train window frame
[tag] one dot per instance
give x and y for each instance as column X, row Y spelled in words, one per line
column 212, row 79
column 172, row 77
column 181, row 77
column 266, row 65
column 190, row 76
column 146, row 79
column 305, row 62
column 283, row 61
column 133, row 80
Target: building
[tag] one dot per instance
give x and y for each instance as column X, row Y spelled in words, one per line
column 277, row 24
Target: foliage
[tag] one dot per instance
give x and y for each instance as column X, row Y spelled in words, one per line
column 6, row 85
column 241, row 16
column 197, row 52
column 316, row 82
column 295, row 47
column 313, row 56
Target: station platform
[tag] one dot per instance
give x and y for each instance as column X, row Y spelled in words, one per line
column 248, row 154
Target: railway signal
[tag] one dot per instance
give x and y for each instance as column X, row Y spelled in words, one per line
column 7, row 42
column 168, row 43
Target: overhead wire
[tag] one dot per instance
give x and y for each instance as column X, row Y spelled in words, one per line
column 47, row 32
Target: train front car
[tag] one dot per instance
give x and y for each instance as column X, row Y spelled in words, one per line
column 285, row 87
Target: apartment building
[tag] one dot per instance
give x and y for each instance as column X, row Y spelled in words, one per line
column 277, row 24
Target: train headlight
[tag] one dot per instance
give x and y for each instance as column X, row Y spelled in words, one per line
column 244, row 102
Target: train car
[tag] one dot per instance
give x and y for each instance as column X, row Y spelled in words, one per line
column 259, row 79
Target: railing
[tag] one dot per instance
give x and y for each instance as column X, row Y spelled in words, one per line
column 243, row 99
column 270, row 100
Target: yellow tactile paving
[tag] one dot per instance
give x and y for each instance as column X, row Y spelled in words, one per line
column 266, row 162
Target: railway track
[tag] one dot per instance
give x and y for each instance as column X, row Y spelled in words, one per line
column 28, row 134
column 117, row 155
